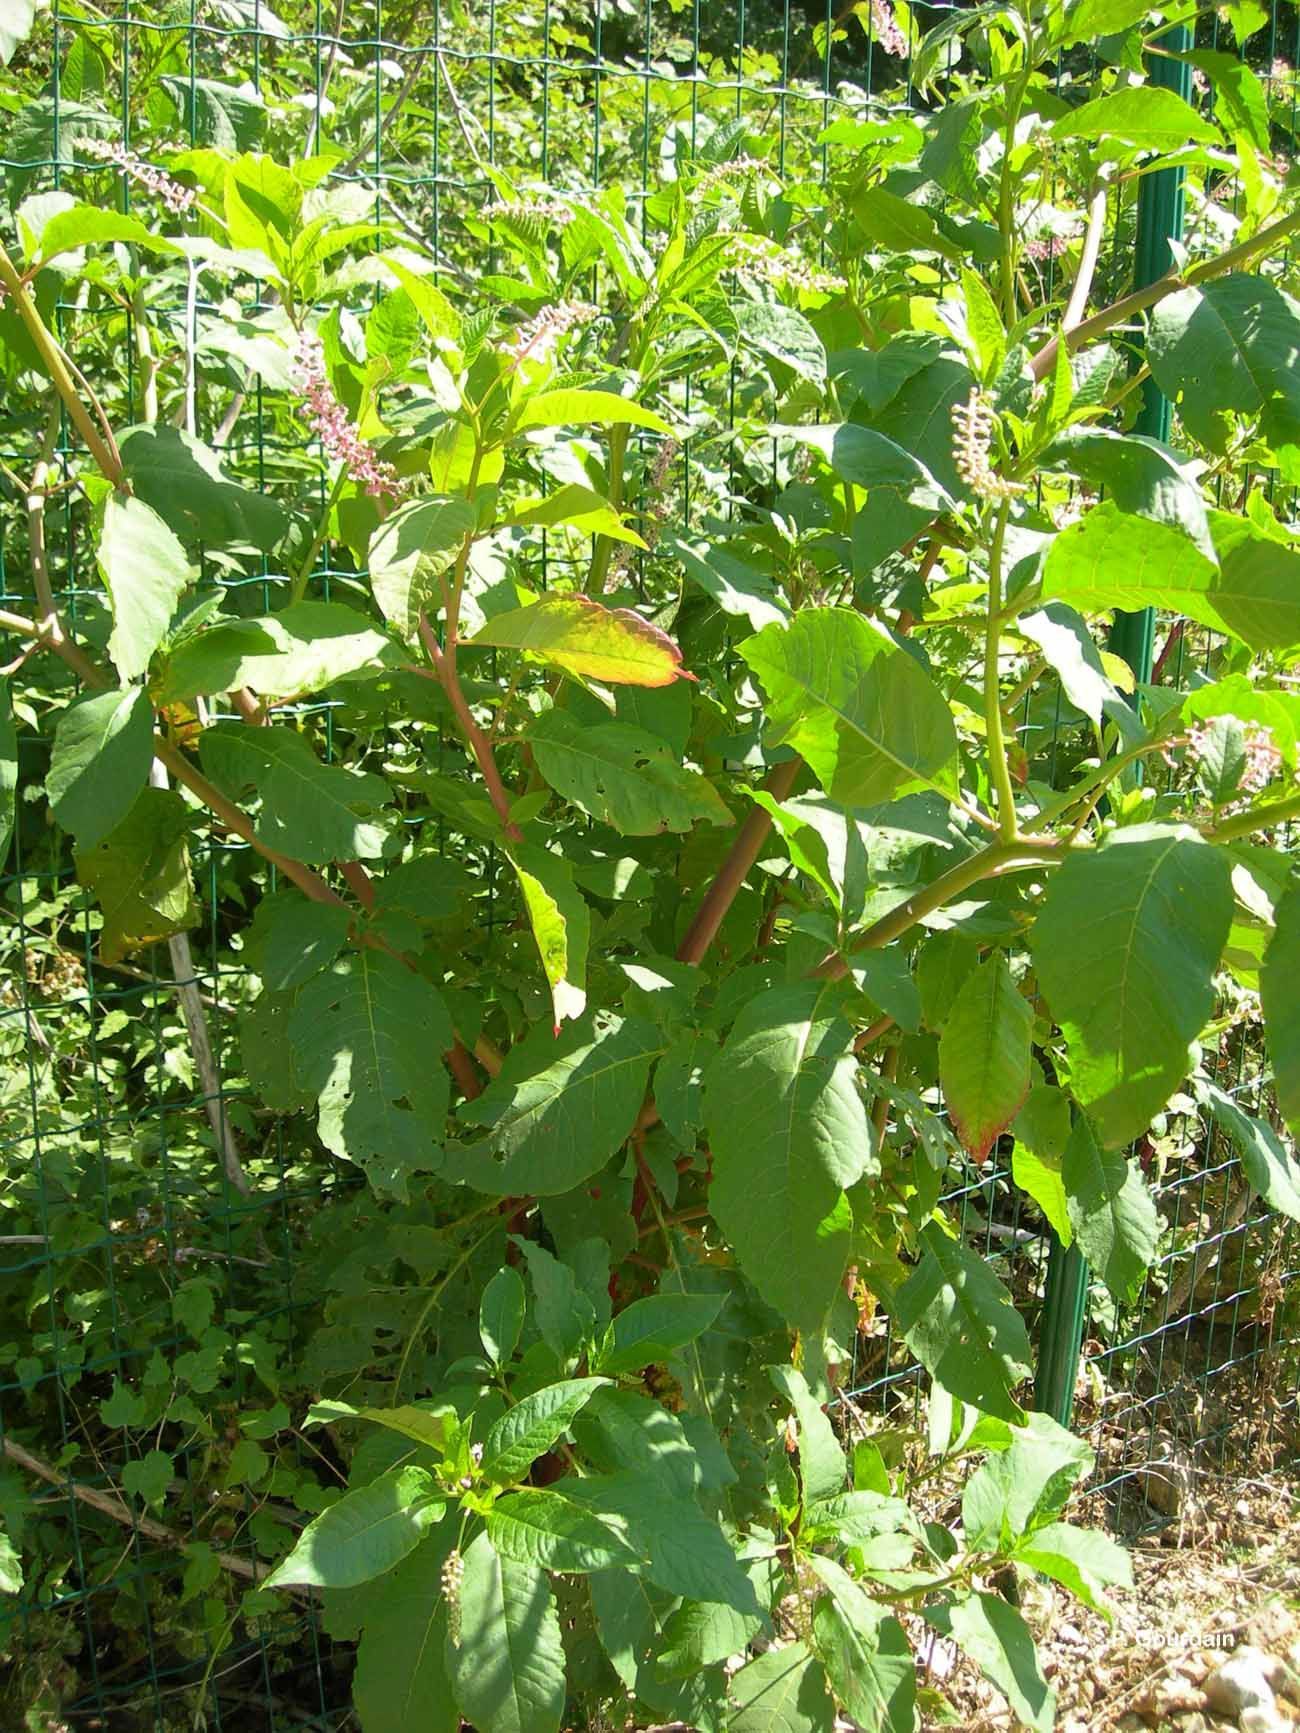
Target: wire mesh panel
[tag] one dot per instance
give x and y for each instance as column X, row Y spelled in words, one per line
column 178, row 1267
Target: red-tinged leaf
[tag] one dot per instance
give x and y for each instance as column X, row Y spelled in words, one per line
column 612, row 645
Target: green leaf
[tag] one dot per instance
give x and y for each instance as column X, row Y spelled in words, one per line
column 612, row 645
column 865, row 1652
column 1140, row 475
column 894, row 225
column 311, row 811
column 782, row 334
column 507, row 1670
column 782, row 1691
column 103, row 749
column 501, row 1315
column 563, row 1313
column 1086, row 20
column 559, row 1109
column 823, row 1469
column 997, row 1639
column 736, row 587
column 304, row 648
column 700, row 1634
column 862, row 711
column 1070, row 652
column 410, row 551
column 575, row 408
column 540, row 1526
column 216, row 114
column 368, row 1034
column 89, row 226
column 295, row 938
column 622, row 776
column 561, row 923
column 365, row 1534
column 432, row 1427
column 984, row 1055
column 1272, row 1167
column 623, row 1430
column 1126, row 945
column 1083, row 1560
column 146, row 572
column 149, row 1477
column 1023, row 1486
column 1230, row 345
column 579, row 508
column 1147, row 117
column 679, row 1084
column 11, row 1565
column 681, row 1549
column 960, row 1322
column 183, row 481
column 789, row 1132
column 140, row 874
column 402, row 1679
column 648, row 1331
column 1111, row 1211
column 439, row 317
column 1279, row 994
column 1240, row 101
column 531, row 1427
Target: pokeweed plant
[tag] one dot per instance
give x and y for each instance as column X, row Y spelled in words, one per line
column 689, row 888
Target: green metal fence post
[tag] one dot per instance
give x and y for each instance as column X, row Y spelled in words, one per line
column 1159, row 221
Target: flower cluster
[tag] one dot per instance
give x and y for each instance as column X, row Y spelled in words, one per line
column 770, row 264
column 453, row 1572
column 973, row 423
column 331, row 424
column 548, row 211
column 737, row 169
column 1045, row 247
column 655, row 514
column 887, row 32
column 536, row 338
column 178, row 199
column 1262, row 758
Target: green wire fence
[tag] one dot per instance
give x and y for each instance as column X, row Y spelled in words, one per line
column 128, row 1266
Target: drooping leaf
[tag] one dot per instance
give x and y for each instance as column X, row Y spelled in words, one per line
column 1139, row 474
column 311, row 811
column 431, row 1427
column 1070, row 652
column 1024, row 1486
column 823, row 1469
column 87, row 226
column 183, row 481
column 559, row 1109
column 1279, row 993
column 865, row 1652
column 501, row 1315
column 410, row 551
column 782, row 334
column 1230, row 345
column 532, row 1426
column 862, row 711
column 303, row 648
column 140, row 874
column 612, row 645
column 681, row 1549
column 365, row 1534
column 738, row 588
column 622, row 776
column 1085, row 1560
column 103, row 749
column 1111, row 1211
column 293, row 938
column 1148, row 117
column 999, row 1642
column 1112, row 560
column 579, row 508
column 146, row 572
column 507, row 1670
column 1271, row 1165
column 368, row 1035
column 649, row 1330
column 984, row 1055
column 789, row 1132
column 540, row 1526
column 781, row 1691
column 402, row 1676
column 561, row 922
column 1126, row 945
column 960, row 1322
column 564, row 1314
column 579, row 408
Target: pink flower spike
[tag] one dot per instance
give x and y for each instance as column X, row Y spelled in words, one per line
column 332, row 425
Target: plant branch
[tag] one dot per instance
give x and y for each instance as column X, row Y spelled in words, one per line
column 1265, row 817
column 1138, row 300
column 736, row 868
column 1082, row 288
column 990, row 862
column 999, row 769
column 56, row 366
column 445, row 669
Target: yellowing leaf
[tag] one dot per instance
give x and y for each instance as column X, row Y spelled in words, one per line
column 612, row 645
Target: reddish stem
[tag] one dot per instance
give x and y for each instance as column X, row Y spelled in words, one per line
column 445, row 668
column 736, row 868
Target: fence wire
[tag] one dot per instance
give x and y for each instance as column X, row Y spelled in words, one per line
column 133, row 1275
